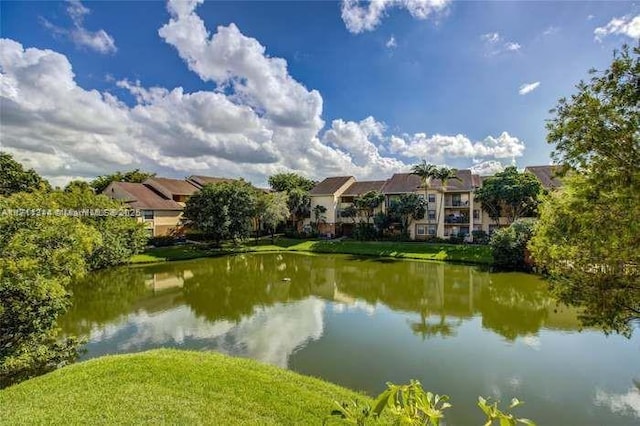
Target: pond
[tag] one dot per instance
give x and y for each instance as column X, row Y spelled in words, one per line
column 361, row 322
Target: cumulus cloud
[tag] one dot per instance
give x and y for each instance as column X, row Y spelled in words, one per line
column 626, row 25
column 495, row 44
column 441, row 147
column 255, row 121
column 359, row 17
column 487, row 168
column 528, row 87
column 100, row 40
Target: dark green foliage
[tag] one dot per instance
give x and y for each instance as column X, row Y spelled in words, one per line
column 509, row 194
column 588, row 237
column 365, row 231
column 223, row 210
column 367, row 204
column 286, row 182
column 39, row 256
column 509, row 245
column 407, row 207
column 480, row 237
column 14, row 178
column 133, row 176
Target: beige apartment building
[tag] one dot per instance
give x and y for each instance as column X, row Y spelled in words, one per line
column 450, row 210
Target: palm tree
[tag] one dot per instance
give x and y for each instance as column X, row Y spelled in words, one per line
column 426, row 171
column 444, row 174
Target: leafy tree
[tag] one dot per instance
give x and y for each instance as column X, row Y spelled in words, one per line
column 36, row 265
column 299, row 203
column 275, row 211
column 286, row 182
column 425, row 171
column 367, row 204
column 14, row 178
column 588, row 234
column 509, row 194
column 350, row 212
column 133, row 176
column 223, row 210
column 509, row 245
column 407, row 207
column 297, row 187
column 318, row 214
column 77, row 185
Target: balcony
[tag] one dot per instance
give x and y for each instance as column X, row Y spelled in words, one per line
column 451, row 219
column 449, row 204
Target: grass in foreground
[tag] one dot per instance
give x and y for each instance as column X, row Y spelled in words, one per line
column 173, row 387
column 409, row 250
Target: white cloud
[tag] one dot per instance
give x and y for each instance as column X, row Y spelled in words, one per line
column 256, row 121
column 626, row 25
column 391, row 43
column 487, row 168
column 620, row 403
column 359, row 17
column 528, row 87
column 495, row 44
column 512, row 46
column 439, row 147
column 100, row 40
column 550, row 30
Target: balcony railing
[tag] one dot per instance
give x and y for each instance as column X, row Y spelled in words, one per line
column 455, row 203
column 456, row 219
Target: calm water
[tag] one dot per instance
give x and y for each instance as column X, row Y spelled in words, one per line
column 362, row 322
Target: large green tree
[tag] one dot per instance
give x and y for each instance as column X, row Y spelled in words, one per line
column 510, row 194
column 367, row 203
column 15, row 178
column 588, row 235
column 223, row 210
column 133, row 176
column 407, row 207
column 297, row 188
column 274, row 211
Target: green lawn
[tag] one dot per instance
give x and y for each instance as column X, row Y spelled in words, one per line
column 410, row 250
column 171, row 387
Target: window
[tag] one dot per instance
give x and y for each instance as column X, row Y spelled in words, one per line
column 432, row 215
column 432, row 198
column 476, row 214
column 421, row 230
column 431, row 230
column 456, row 200
column 464, row 230
column 147, row 214
column 347, row 199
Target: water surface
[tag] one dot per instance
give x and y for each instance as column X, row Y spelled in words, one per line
column 362, row 322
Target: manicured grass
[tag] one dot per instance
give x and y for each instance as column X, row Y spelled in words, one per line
column 171, row 387
column 409, row 250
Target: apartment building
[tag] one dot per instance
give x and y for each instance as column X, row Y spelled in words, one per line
column 161, row 200
column 450, row 210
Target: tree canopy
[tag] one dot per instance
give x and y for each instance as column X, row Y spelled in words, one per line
column 588, row 234
column 509, row 194
column 223, row 210
column 133, row 176
column 15, row 178
column 273, row 210
column 407, row 207
column 281, row 182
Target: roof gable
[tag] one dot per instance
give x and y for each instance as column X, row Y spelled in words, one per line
column 139, row 196
column 330, row 185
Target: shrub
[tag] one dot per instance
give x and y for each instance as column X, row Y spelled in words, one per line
column 162, row 241
column 480, row 237
column 509, row 245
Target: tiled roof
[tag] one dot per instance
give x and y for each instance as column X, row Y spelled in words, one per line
column 466, row 182
column 401, row 183
column 359, row 188
column 203, row 180
column 139, row 196
column 547, row 175
column 329, row 186
column 170, row 187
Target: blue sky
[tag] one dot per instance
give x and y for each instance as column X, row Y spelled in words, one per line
column 365, row 89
